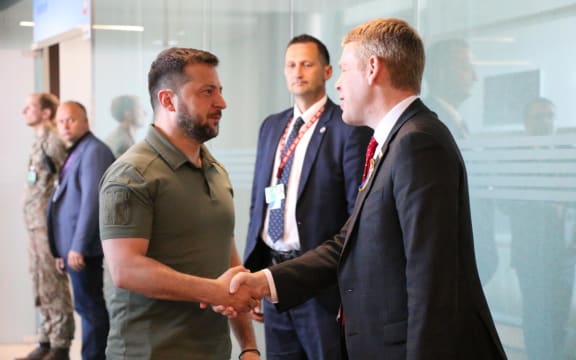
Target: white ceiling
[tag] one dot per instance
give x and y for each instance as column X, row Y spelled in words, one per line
column 191, row 15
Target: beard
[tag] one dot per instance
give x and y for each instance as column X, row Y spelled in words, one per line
column 192, row 126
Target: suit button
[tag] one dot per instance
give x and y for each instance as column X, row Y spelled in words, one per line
column 349, row 291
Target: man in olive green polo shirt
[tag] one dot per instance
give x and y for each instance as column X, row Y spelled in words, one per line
column 167, row 221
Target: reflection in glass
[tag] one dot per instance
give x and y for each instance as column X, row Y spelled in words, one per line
column 127, row 111
column 450, row 77
column 543, row 251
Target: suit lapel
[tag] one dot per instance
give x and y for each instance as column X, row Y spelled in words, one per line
column 360, row 198
column 412, row 110
column 77, row 153
column 272, row 143
column 314, row 145
column 74, row 163
column 76, row 160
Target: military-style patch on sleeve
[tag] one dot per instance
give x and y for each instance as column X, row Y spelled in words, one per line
column 116, row 207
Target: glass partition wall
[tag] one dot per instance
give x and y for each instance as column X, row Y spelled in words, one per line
column 501, row 75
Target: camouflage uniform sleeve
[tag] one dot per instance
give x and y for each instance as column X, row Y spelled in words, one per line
column 55, row 149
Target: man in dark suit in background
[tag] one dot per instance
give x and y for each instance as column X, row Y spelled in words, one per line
column 404, row 260
column 128, row 112
column 302, row 196
column 73, row 224
column 543, row 249
column 450, row 77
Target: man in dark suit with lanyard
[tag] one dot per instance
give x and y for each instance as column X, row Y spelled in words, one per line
column 308, row 168
column 404, row 260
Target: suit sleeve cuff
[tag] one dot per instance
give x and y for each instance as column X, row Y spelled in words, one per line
column 272, row 286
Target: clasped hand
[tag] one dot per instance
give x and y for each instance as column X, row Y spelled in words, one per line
column 242, row 291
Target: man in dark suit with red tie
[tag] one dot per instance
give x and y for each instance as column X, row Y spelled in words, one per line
column 404, row 261
column 306, row 178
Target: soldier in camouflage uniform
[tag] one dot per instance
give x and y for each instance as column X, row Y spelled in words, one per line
column 51, row 289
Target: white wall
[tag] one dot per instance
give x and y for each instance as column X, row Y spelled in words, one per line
column 76, row 72
column 17, row 316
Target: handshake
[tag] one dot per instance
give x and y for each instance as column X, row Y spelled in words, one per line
column 238, row 291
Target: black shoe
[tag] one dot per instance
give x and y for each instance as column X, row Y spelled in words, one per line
column 38, row 353
column 57, row 354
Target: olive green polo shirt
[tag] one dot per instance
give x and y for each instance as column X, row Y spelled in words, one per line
column 154, row 192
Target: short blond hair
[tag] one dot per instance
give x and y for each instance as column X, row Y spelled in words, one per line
column 397, row 44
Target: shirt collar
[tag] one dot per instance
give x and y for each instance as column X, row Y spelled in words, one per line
column 77, row 142
column 171, row 154
column 308, row 114
column 389, row 120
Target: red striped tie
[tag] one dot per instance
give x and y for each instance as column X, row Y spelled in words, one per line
column 370, row 150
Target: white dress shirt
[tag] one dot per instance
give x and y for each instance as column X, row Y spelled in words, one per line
column 290, row 239
column 388, row 121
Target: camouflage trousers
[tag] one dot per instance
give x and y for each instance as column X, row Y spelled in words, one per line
column 51, row 293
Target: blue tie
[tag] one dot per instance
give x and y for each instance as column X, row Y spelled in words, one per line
column 276, row 216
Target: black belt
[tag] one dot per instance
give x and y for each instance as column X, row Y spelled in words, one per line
column 281, row 256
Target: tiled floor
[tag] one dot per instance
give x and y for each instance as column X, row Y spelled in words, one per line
column 11, row 351
column 511, row 336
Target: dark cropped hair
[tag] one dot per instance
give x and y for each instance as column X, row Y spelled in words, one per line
column 167, row 70
column 540, row 100
column 442, row 57
column 121, row 104
column 305, row 38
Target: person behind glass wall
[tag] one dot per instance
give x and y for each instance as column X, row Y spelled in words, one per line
column 404, row 260
column 73, row 224
column 450, row 77
column 167, row 224
column 127, row 111
column 319, row 194
column 50, row 288
column 543, row 255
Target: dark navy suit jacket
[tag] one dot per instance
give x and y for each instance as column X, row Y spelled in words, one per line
column 404, row 261
column 73, row 209
column 328, row 186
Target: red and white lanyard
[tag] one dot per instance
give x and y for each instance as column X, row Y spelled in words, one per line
column 292, row 147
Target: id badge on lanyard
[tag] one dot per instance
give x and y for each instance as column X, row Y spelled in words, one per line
column 32, row 176
column 274, row 195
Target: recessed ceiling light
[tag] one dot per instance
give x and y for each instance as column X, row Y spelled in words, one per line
column 98, row 27
column 119, row 27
